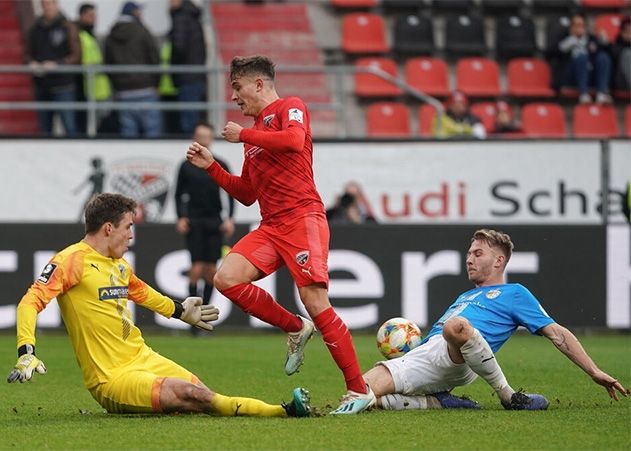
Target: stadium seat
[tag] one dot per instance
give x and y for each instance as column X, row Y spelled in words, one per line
column 426, row 114
column 627, row 121
column 515, row 36
column 543, row 120
column 387, row 119
column 528, row 77
column 556, row 28
column 486, row 112
column 413, row 34
column 363, row 33
column 478, row 77
column 369, row 85
column 428, row 75
column 353, row 3
column 608, row 24
column 502, row 5
column 604, row 3
column 563, row 5
column 452, row 4
column 594, row 121
column 464, row 35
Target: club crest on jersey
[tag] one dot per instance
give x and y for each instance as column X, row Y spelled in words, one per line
column 48, row 271
column 121, row 269
column 493, row 294
column 295, row 115
column 268, row 119
column 302, row 257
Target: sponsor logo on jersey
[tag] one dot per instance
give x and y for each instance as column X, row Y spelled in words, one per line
column 253, row 151
column 107, row 293
column 268, row 119
column 302, row 257
column 295, row 115
column 493, row 294
column 46, row 274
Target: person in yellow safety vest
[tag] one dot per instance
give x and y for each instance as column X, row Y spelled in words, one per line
column 168, row 91
column 90, row 55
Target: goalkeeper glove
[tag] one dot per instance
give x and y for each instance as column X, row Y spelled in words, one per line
column 27, row 363
column 198, row 315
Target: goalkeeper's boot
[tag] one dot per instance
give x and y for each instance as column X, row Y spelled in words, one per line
column 299, row 406
column 526, row 401
column 449, row 401
column 353, row 402
column 296, row 342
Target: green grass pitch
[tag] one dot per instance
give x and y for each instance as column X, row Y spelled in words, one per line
column 56, row 412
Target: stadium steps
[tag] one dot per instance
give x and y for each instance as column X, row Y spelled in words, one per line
column 284, row 33
column 14, row 87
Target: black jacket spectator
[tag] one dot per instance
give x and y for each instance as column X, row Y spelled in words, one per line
column 129, row 42
column 55, row 40
column 187, row 41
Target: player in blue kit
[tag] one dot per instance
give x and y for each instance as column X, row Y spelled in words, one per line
column 461, row 345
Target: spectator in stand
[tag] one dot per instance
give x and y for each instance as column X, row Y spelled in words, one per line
column 90, row 55
column 188, row 48
column 53, row 41
column 351, row 206
column 621, row 51
column 505, row 122
column 129, row 42
column 586, row 61
column 457, row 121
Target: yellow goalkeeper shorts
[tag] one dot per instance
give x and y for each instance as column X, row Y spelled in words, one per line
column 135, row 388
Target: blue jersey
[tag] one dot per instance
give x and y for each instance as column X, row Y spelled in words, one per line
column 496, row 311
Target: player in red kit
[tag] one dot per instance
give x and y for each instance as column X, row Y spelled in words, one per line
column 277, row 172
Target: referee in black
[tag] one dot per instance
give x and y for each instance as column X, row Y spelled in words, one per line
column 198, row 206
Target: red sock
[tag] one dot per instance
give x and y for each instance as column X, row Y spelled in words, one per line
column 340, row 343
column 257, row 302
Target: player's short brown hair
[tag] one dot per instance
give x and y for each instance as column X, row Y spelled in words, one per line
column 107, row 207
column 497, row 239
column 252, row 65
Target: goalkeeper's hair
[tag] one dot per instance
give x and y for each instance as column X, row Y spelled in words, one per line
column 496, row 239
column 243, row 66
column 107, row 207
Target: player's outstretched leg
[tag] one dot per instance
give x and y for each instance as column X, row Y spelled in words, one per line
column 354, row 402
column 441, row 400
column 299, row 405
column 526, row 401
column 296, row 343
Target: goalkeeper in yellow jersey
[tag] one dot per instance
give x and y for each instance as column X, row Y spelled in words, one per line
column 93, row 283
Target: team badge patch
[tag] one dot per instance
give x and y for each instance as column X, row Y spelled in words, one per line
column 302, row 257
column 46, row 274
column 268, row 119
column 493, row 294
column 295, row 115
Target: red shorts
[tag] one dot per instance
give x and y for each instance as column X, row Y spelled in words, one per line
column 302, row 244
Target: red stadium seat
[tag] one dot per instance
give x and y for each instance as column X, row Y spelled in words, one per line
column 478, row 77
column 609, row 24
column 543, row 120
column 595, row 121
column 604, row 3
column 428, row 75
column 387, row 119
column 363, row 33
column 426, row 114
column 486, row 112
column 529, row 77
column 627, row 121
column 369, row 85
column 353, row 3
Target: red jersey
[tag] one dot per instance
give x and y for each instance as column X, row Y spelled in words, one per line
column 278, row 168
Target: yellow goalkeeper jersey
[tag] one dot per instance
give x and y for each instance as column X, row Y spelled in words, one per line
column 92, row 291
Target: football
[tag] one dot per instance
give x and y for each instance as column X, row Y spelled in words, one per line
column 397, row 336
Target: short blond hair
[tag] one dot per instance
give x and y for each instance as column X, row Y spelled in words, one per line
column 497, row 239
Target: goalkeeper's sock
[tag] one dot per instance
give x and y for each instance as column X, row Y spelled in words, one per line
column 478, row 355
column 405, row 402
column 192, row 289
column 229, row 406
column 259, row 303
column 338, row 339
column 208, row 290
